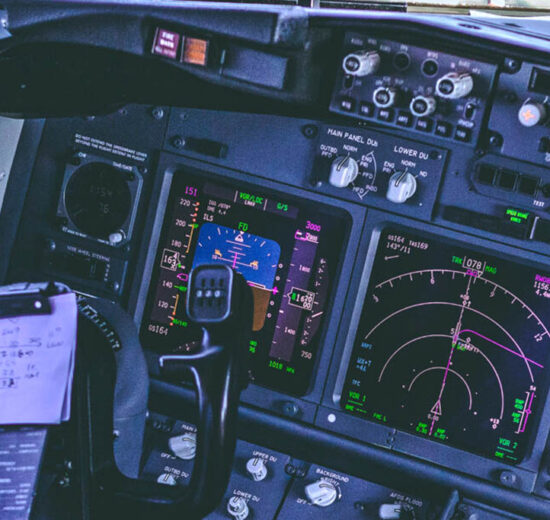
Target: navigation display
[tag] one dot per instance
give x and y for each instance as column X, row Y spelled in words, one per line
column 287, row 251
column 452, row 345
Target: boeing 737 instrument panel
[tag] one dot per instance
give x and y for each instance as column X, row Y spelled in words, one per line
column 287, row 251
column 452, row 345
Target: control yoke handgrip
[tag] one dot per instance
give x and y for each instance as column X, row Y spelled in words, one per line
column 221, row 301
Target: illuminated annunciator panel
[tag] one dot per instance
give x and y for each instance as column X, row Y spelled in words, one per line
column 287, row 250
column 452, row 345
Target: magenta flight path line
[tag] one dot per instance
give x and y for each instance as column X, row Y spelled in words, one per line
column 455, row 339
column 501, row 346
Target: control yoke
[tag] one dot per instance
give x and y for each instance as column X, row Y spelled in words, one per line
column 218, row 299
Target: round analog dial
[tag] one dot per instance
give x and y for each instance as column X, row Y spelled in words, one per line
column 98, row 199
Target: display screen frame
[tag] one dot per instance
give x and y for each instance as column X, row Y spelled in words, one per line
column 333, row 418
column 347, row 215
column 442, row 245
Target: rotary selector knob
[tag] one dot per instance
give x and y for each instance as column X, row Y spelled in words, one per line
column 454, row 85
column 401, row 187
column 422, row 106
column 343, row 170
column 238, row 508
column 167, row 479
column 361, row 63
column 321, row 493
column 184, row 446
column 384, row 97
column 256, row 468
column 532, row 113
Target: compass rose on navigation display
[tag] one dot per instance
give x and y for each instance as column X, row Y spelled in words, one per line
column 451, row 346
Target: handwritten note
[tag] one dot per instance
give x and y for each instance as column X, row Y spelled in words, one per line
column 37, row 364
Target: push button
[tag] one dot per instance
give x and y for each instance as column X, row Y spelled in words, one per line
column 404, row 119
column 386, row 114
column 544, row 145
column 528, row 185
column 443, row 129
column 463, row 134
column 486, row 174
column 425, row 124
column 541, row 230
column 347, row 104
column 507, row 180
column 366, row 109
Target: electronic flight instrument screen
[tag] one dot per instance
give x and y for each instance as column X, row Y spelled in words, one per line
column 452, row 345
column 288, row 252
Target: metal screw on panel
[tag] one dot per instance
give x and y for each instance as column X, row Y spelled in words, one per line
column 360, row 506
column 115, row 286
column 157, row 113
column 511, row 65
column 300, row 473
column 290, row 470
column 495, row 140
column 75, row 161
column 310, row 131
column 510, row 97
column 507, row 478
column 64, row 482
column 178, row 142
column 290, row 409
column 51, row 245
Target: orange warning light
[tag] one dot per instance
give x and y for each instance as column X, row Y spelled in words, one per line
column 195, row 51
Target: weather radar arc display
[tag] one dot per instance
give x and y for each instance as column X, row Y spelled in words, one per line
column 452, row 345
column 288, row 252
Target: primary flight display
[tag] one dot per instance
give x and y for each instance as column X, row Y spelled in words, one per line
column 287, row 250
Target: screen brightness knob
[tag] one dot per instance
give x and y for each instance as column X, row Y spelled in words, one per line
column 321, row 493
column 184, row 446
column 401, row 187
column 361, row 63
column 454, row 85
column 343, row 171
column 256, row 468
column 238, row 508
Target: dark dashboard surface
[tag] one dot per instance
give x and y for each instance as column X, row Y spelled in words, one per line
column 380, row 180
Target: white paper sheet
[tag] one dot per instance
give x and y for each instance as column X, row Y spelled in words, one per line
column 37, row 356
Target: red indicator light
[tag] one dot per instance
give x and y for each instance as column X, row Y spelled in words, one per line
column 166, row 43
